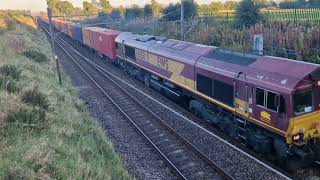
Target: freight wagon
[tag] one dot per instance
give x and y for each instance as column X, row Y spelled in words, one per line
column 101, row 40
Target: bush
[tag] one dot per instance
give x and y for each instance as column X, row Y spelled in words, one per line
column 36, row 56
column 8, row 76
column 173, row 13
column 26, row 118
column 133, row 12
column 11, row 24
column 36, row 98
column 8, row 85
column 248, row 13
column 10, row 71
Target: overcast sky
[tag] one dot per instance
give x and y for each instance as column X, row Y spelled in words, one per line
column 38, row 5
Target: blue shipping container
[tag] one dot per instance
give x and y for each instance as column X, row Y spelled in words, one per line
column 77, row 33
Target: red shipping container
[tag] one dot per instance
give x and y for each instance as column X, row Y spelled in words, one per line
column 94, row 37
column 64, row 26
column 86, row 36
column 108, row 45
column 103, row 40
column 59, row 24
column 70, row 27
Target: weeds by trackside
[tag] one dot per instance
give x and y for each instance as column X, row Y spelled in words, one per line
column 45, row 129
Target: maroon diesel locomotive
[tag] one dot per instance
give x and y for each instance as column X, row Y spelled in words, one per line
column 271, row 104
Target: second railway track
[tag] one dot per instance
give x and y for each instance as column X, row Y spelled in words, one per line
column 184, row 158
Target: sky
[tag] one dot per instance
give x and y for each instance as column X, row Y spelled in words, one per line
column 40, row 5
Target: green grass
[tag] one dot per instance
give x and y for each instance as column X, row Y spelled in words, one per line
column 45, row 129
column 277, row 15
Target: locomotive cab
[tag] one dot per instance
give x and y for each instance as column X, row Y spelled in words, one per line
column 304, row 126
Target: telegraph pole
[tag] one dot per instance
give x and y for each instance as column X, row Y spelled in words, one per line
column 182, row 21
column 52, row 43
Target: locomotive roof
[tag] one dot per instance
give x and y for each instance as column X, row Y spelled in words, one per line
column 185, row 52
column 273, row 73
column 136, row 40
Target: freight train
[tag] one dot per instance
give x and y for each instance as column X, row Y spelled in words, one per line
column 270, row 104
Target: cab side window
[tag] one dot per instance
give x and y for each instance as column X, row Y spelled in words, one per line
column 272, row 101
column 130, row 52
column 260, row 96
column 269, row 100
column 282, row 108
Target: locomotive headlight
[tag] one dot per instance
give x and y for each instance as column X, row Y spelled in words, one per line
column 298, row 136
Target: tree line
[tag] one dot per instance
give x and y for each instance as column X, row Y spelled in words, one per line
column 297, row 4
column 247, row 11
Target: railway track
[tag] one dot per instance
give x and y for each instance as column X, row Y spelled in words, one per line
column 185, row 159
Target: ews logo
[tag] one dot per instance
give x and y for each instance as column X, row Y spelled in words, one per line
column 163, row 63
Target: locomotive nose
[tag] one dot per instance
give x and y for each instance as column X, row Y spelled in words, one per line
column 306, row 127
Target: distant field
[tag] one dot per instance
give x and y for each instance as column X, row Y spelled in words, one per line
column 277, row 14
column 26, row 20
column 10, row 21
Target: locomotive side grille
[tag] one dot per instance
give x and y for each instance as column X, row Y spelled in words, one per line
column 232, row 57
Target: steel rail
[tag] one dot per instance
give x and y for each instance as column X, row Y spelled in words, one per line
column 186, row 142
column 122, row 112
column 281, row 174
column 195, row 149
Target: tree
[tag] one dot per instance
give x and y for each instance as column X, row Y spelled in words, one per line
column 248, row 14
column 103, row 17
column 212, row 7
column 216, row 6
column 291, row 4
column 265, row 3
column 230, row 5
column 156, row 8
column 65, row 8
column 115, row 14
column 89, row 8
column 105, row 6
column 147, row 10
column 78, row 11
column 286, row 4
column 61, row 7
column 190, row 8
column 122, row 10
column 314, row 3
column 52, row 4
column 171, row 12
column 133, row 12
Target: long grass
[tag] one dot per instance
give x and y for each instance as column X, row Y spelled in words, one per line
column 298, row 41
column 45, row 130
column 293, row 15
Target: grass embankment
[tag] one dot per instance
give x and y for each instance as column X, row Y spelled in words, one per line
column 45, row 130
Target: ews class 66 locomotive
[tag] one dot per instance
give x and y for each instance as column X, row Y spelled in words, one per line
column 271, row 104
